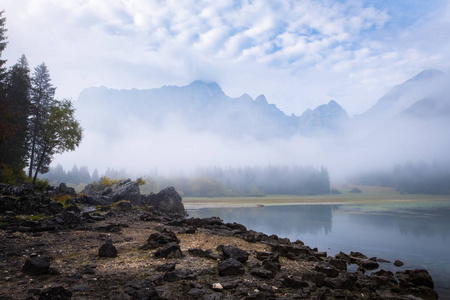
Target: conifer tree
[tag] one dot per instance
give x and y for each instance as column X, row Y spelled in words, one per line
column 14, row 150
column 42, row 97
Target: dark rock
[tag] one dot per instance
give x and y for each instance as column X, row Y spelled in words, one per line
column 80, row 288
column 159, row 239
column 291, row 251
column 204, row 253
column 358, row 255
column 214, row 296
column 232, row 251
column 368, row 264
column 123, row 190
column 262, row 273
column 398, row 263
column 294, row 282
column 170, row 250
column 327, row 269
column 171, row 277
column 166, row 267
column 338, row 264
column 94, row 200
column 64, row 189
column 146, row 293
column 55, row 293
column 196, row 293
column 107, row 250
column 124, row 206
column 167, row 201
column 231, row 267
column 36, row 266
column 230, row 284
column 344, row 281
column 417, row 277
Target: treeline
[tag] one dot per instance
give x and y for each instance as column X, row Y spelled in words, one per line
column 33, row 124
column 247, row 181
column 81, row 175
column 412, row 178
column 215, row 182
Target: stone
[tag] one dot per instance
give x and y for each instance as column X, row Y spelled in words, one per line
column 170, row 250
column 262, row 273
column 217, row 287
column 167, row 201
column 36, row 266
column 327, row 269
column 159, row 239
column 419, row 277
column 107, row 250
column 368, row 264
column 166, row 267
column 230, row 267
column 232, row 251
column 398, row 263
column 294, row 282
column 55, row 293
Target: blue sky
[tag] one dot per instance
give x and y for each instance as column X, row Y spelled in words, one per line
column 299, row 54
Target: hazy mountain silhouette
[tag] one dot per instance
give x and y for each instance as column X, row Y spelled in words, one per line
column 204, row 107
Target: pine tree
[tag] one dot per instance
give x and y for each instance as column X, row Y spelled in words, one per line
column 14, row 150
column 42, row 97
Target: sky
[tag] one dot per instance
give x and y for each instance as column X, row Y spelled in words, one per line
column 299, row 54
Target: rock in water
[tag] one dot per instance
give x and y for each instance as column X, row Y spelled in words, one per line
column 167, row 201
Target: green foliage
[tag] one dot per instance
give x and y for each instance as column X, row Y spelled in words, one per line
column 106, row 182
column 140, row 181
column 9, row 176
column 40, row 184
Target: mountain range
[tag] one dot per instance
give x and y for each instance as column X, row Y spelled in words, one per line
column 204, row 107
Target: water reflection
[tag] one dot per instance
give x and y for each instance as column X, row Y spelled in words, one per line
column 281, row 220
column 417, row 233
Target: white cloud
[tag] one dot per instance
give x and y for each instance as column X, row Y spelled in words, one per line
column 298, row 53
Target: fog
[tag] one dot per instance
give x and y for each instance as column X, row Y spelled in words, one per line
column 410, row 126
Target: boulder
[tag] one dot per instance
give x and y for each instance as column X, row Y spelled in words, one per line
column 167, row 201
column 122, row 190
column 231, row 267
column 36, row 266
column 419, row 277
column 53, row 293
column 107, row 250
column 159, row 239
column 170, row 250
column 231, row 251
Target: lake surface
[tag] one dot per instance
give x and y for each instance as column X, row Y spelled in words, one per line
column 416, row 233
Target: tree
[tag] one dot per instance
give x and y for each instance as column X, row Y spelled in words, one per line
column 3, row 44
column 60, row 133
column 14, row 148
column 42, row 97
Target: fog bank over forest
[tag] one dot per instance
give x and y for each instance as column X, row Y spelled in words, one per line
column 176, row 130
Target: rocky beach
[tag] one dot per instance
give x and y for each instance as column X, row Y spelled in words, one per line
column 111, row 242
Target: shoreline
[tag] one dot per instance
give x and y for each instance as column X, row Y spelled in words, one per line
column 191, row 203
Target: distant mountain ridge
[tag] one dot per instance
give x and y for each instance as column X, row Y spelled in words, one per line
column 204, row 107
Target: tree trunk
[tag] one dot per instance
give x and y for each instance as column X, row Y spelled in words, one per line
column 41, row 159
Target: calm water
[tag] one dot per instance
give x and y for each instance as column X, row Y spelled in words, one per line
column 417, row 234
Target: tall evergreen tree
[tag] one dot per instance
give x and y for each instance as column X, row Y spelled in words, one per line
column 14, row 150
column 42, row 97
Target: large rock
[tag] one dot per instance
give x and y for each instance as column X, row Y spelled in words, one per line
column 36, row 266
column 122, row 190
column 167, row 201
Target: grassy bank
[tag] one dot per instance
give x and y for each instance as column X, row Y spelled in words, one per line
column 368, row 195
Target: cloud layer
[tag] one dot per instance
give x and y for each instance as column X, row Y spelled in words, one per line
column 298, row 53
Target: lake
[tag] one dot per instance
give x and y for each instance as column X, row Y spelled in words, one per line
column 417, row 233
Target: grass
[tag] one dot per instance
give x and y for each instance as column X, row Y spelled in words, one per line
column 369, row 195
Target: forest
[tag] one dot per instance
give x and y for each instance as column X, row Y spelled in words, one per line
column 34, row 126
column 214, row 181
